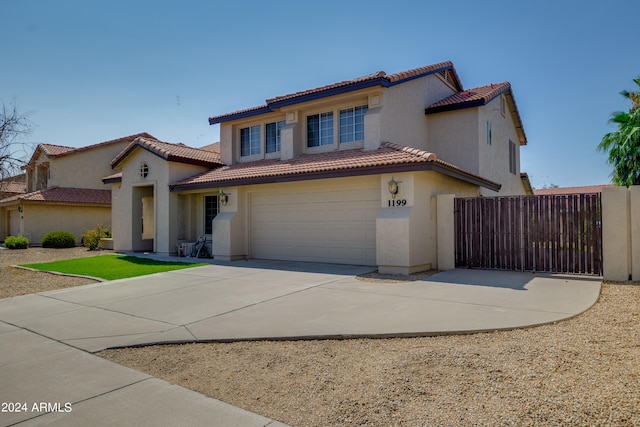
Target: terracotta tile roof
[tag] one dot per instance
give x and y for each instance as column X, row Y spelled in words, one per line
column 469, row 98
column 389, row 157
column 52, row 150
column 215, row 147
column 63, row 195
column 171, row 152
column 481, row 96
column 585, row 189
column 376, row 79
column 9, row 187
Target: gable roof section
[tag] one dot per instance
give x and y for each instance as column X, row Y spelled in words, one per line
column 480, row 96
column 13, row 187
column 54, row 151
column 55, row 195
column 388, row 158
column 171, row 152
column 376, row 79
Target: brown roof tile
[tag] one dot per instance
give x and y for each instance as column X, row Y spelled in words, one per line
column 470, row 97
column 339, row 162
column 380, row 77
column 13, row 187
column 63, row 195
column 171, row 152
column 52, row 150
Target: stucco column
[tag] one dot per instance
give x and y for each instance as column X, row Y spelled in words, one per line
column 634, row 222
column 445, row 231
column 616, row 242
column 402, row 232
column 228, row 231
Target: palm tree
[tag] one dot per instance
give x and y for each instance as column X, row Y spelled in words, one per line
column 623, row 144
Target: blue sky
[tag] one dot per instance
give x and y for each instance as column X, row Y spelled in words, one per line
column 89, row 71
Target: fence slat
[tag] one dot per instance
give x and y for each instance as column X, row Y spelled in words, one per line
column 560, row 233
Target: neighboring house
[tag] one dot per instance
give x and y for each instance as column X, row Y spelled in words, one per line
column 344, row 173
column 64, row 191
column 585, row 189
column 13, row 185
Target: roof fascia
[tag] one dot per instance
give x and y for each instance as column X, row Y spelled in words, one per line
column 462, row 105
column 372, row 170
column 114, row 180
column 121, row 157
column 378, row 81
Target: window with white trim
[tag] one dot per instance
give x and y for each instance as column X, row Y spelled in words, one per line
column 272, row 136
column 250, row 141
column 320, row 129
column 352, row 124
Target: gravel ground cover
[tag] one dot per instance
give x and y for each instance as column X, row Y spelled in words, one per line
column 16, row 281
column 580, row 372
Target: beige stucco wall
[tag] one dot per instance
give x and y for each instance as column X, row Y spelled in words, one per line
column 395, row 114
column 445, row 231
column 406, row 239
column 167, row 206
column 41, row 219
column 230, row 228
column 453, row 136
column 83, row 169
column 494, row 158
column 402, row 118
column 616, row 233
column 460, row 137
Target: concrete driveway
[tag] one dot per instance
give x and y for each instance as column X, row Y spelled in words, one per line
column 244, row 300
column 268, row 299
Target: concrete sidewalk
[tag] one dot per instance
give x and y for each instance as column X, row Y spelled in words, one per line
column 239, row 301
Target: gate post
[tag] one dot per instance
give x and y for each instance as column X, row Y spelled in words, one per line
column 445, row 233
column 616, row 233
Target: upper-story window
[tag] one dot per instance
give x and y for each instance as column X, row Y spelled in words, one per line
column 352, row 124
column 320, row 129
column 144, row 170
column 489, row 133
column 250, row 141
column 272, row 131
column 512, row 157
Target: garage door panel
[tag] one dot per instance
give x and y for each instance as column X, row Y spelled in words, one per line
column 318, row 226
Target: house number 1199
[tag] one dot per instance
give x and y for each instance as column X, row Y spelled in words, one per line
column 399, row 202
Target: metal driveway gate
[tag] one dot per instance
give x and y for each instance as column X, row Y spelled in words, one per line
column 554, row 233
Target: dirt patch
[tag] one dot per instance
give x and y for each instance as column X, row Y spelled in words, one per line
column 375, row 276
column 583, row 371
column 16, row 281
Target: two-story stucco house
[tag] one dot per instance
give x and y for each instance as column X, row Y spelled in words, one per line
column 344, row 173
column 64, row 191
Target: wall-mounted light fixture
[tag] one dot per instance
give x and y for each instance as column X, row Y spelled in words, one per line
column 20, row 209
column 224, row 198
column 393, row 187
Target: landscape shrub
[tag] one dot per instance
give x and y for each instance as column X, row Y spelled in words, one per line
column 59, row 239
column 91, row 239
column 12, row 242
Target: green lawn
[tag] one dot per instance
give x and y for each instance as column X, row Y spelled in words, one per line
column 111, row 267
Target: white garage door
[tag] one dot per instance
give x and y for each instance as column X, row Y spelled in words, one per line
column 316, row 225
